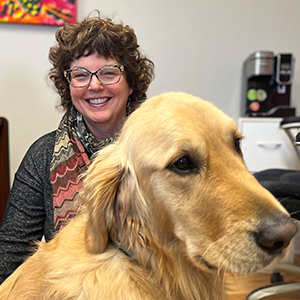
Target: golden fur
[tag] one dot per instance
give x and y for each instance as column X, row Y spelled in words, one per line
column 186, row 222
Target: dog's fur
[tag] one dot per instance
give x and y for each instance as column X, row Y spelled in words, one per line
column 157, row 225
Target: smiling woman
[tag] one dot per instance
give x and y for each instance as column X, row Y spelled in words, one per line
column 45, row 191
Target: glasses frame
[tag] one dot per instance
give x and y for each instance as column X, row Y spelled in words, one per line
column 69, row 71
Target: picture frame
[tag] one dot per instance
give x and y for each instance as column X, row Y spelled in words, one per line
column 38, row 12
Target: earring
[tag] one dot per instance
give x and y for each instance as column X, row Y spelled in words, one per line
column 128, row 107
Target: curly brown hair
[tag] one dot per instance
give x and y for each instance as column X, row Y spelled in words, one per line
column 109, row 40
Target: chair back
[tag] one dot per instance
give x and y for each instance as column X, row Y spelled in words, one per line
column 4, row 166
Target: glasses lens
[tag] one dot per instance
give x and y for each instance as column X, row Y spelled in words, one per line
column 109, row 75
column 79, row 77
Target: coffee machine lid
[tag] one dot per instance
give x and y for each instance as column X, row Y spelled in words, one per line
column 261, row 55
column 259, row 63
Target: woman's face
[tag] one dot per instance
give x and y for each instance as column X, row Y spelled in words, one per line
column 103, row 106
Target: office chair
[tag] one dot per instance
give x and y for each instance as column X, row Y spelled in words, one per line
column 285, row 186
column 279, row 288
column 4, row 166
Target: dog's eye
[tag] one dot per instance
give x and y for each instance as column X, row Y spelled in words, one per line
column 237, row 144
column 183, row 165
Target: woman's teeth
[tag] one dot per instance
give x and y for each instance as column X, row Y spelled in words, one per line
column 98, row 101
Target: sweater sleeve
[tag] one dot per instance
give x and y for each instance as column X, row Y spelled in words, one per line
column 28, row 207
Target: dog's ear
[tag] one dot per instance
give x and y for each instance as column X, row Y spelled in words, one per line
column 132, row 213
column 114, row 203
column 99, row 190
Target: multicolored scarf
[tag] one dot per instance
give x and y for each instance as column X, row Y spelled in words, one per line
column 74, row 147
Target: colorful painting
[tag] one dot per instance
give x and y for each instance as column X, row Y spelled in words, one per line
column 45, row 12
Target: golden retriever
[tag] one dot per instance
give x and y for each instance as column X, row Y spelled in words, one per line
column 169, row 208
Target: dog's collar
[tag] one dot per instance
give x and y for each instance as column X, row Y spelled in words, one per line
column 122, row 248
column 129, row 253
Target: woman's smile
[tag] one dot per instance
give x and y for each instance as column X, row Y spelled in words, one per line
column 98, row 101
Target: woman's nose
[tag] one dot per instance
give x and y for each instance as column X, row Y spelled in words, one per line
column 95, row 84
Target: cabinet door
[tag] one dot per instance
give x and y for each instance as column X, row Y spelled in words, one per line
column 266, row 146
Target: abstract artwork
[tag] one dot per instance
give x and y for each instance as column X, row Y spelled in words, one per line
column 43, row 12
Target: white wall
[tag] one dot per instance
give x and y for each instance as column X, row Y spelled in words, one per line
column 198, row 46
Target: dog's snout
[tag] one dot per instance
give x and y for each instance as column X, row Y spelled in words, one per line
column 275, row 233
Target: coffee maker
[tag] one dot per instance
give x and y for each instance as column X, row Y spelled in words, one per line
column 267, row 81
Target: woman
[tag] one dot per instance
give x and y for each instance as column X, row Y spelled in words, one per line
column 101, row 77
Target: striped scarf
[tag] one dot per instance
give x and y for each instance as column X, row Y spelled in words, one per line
column 74, row 147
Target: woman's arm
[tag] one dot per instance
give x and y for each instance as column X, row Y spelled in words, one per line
column 28, row 208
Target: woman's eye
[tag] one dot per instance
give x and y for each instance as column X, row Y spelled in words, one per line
column 108, row 74
column 183, row 166
column 79, row 75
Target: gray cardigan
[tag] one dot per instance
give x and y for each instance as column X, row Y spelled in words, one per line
column 29, row 212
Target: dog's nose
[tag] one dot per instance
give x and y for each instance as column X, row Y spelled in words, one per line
column 275, row 233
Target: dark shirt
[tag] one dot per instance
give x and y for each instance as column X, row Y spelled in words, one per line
column 29, row 212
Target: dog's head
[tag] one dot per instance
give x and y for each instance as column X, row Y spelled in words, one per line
column 176, row 178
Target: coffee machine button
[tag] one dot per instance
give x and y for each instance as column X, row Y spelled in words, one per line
column 255, row 106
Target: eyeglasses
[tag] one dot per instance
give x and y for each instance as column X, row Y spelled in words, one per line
column 81, row 77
